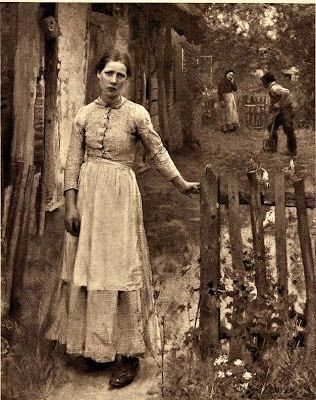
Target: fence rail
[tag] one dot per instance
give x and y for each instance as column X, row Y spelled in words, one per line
column 211, row 198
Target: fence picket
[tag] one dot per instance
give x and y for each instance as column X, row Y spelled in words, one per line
column 309, row 268
column 5, row 209
column 236, row 344
column 280, row 242
column 257, row 233
column 13, row 228
column 22, row 246
column 253, row 108
column 210, row 263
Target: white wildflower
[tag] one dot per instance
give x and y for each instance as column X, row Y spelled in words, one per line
column 229, row 373
column 244, row 385
column 247, row 375
column 221, row 374
column 222, row 359
column 238, row 362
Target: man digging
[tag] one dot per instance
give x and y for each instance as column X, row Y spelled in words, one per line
column 282, row 109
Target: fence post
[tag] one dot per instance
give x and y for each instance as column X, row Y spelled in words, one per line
column 309, row 268
column 210, row 263
column 257, row 233
column 236, row 343
column 280, row 242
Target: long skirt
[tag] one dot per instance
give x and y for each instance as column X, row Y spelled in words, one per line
column 228, row 116
column 104, row 304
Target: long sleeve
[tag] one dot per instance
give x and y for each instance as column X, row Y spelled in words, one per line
column 75, row 152
column 220, row 91
column 153, row 145
column 234, row 86
column 225, row 86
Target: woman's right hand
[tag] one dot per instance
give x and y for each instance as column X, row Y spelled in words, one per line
column 72, row 221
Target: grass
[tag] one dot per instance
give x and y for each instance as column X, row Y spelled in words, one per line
column 285, row 376
column 30, row 368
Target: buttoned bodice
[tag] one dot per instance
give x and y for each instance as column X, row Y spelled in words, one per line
column 114, row 133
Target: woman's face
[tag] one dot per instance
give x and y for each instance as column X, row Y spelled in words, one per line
column 230, row 76
column 112, row 78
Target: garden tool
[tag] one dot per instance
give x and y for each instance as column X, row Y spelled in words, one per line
column 269, row 144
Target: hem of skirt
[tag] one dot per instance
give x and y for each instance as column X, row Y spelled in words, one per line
column 105, row 288
column 92, row 355
column 87, row 354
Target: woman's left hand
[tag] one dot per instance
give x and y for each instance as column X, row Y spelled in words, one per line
column 186, row 187
column 191, row 188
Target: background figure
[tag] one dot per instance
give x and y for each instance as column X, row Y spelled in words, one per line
column 281, row 108
column 229, row 120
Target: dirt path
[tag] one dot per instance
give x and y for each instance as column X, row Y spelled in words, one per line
column 95, row 386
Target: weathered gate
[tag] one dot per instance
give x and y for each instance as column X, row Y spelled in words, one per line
column 210, row 286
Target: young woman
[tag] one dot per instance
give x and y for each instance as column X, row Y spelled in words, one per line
column 229, row 120
column 105, row 309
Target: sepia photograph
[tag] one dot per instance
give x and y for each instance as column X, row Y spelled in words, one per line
column 158, row 216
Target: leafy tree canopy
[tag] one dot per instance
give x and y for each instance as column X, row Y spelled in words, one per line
column 265, row 36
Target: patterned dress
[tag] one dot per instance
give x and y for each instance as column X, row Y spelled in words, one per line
column 104, row 305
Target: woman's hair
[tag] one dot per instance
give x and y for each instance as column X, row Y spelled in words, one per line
column 114, row 55
column 228, row 71
column 267, row 78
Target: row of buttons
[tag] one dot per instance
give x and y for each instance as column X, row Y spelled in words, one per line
column 105, row 126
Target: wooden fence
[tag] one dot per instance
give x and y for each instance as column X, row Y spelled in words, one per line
column 22, row 216
column 210, row 287
column 253, row 109
column 252, row 106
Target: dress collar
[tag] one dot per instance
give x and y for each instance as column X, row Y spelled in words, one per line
column 116, row 104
